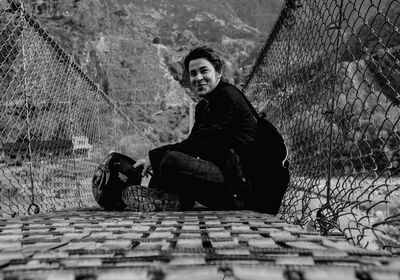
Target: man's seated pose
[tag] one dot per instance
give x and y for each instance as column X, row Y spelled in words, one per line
column 218, row 165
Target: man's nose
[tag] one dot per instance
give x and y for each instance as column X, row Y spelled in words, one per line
column 198, row 77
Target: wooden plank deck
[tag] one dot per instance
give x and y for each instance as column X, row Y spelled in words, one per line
column 93, row 244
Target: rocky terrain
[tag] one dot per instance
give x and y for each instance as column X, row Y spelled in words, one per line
column 133, row 48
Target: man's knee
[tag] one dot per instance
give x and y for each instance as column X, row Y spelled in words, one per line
column 171, row 167
column 171, row 161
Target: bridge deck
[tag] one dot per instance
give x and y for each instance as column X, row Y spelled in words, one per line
column 94, row 244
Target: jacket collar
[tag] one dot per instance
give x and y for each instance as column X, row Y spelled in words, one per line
column 214, row 93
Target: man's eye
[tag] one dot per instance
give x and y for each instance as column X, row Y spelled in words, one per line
column 192, row 74
column 204, row 71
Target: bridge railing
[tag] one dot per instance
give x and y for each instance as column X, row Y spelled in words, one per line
column 329, row 78
column 56, row 124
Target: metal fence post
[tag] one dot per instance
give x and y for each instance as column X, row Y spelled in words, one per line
column 289, row 23
column 338, row 27
column 71, row 131
column 326, row 216
column 28, row 102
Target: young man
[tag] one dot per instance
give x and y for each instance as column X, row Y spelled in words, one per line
column 216, row 165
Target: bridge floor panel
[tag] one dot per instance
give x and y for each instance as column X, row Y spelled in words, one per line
column 95, row 244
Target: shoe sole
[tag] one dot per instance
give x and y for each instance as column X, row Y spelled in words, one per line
column 143, row 199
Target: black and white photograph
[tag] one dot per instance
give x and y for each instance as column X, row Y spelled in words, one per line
column 200, row 139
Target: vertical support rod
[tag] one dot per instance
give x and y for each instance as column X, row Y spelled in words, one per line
column 289, row 42
column 115, row 127
column 97, row 104
column 70, row 91
column 28, row 101
column 332, row 108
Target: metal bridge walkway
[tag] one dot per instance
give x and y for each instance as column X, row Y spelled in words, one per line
column 334, row 97
column 94, row 244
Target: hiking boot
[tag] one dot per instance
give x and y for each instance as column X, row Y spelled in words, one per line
column 143, row 199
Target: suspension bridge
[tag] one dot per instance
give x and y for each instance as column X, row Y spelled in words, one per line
column 328, row 77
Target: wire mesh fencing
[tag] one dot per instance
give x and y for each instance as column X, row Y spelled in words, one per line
column 56, row 125
column 329, row 78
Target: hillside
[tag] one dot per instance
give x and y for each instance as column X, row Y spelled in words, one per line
column 133, row 48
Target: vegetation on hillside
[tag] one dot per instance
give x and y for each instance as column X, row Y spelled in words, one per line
column 133, row 49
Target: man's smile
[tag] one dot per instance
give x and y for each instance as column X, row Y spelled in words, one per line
column 203, row 76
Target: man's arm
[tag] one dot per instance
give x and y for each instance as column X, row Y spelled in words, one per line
column 211, row 133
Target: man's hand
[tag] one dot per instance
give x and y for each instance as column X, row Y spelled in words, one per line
column 145, row 164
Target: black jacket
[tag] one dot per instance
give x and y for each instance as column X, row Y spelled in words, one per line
column 224, row 132
column 223, row 121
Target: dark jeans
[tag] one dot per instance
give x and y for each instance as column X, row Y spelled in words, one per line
column 192, row 179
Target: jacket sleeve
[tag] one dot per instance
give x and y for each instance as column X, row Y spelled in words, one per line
column 156, row 154
column 210, row 133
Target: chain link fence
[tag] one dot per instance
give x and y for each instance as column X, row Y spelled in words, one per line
column 56, row 125
column 329, row 78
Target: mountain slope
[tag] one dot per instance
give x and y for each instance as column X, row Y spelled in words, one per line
column 133, row 48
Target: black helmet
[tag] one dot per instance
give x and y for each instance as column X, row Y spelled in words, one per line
column 114, row 174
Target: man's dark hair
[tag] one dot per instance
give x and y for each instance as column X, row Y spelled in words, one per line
column 203, row 52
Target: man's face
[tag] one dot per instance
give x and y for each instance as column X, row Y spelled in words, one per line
column 203, row 77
